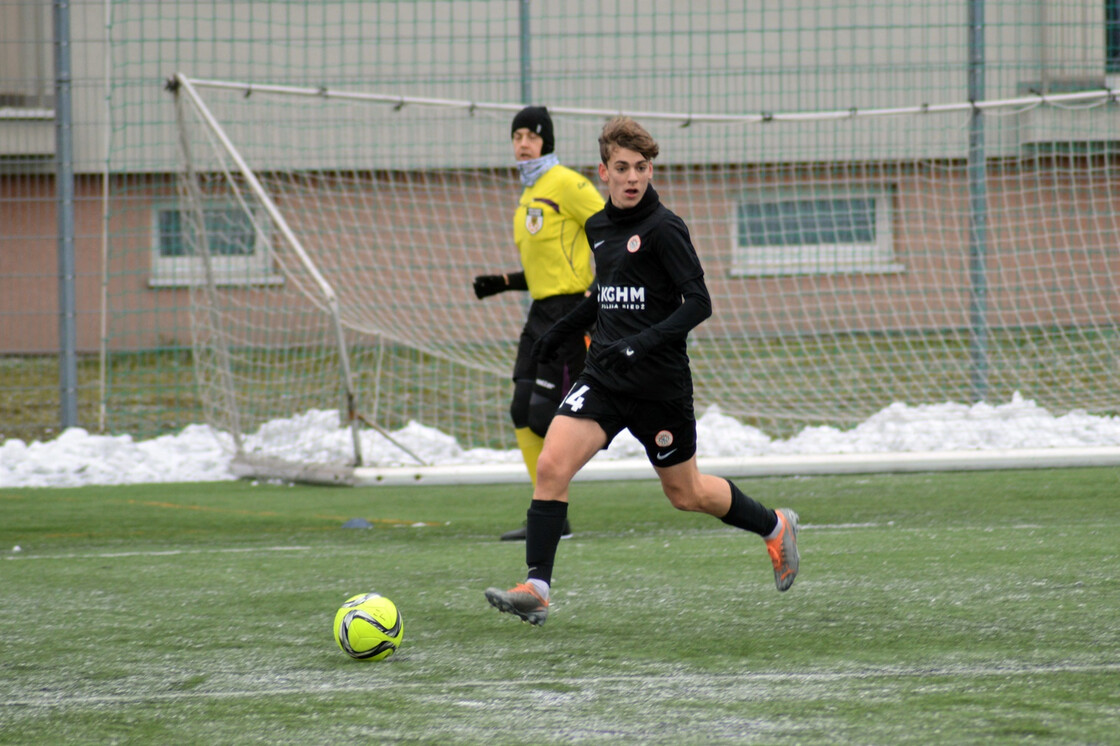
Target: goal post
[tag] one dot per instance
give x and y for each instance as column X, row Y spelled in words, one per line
column 214, row 360
column 335, row 234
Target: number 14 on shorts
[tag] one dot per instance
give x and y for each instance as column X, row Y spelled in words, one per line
column 575, row 399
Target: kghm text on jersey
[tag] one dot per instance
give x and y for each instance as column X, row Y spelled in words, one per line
column 614, row 296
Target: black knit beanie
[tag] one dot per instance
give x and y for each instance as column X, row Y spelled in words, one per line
column 536, row 119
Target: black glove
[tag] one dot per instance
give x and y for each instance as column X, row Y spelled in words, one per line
column 623, row 354
column 548, row 345
column 487, row 285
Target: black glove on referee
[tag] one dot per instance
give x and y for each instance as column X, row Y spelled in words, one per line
column 487, row 285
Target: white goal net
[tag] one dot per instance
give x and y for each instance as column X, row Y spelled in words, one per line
column 923, row 254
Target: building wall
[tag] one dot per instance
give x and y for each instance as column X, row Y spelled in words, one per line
column 1046, row 261
column 29, row 265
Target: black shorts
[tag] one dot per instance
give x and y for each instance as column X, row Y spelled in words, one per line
column 553, row 378
column 665, row 428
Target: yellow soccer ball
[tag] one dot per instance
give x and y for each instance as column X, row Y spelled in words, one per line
column 368, row 627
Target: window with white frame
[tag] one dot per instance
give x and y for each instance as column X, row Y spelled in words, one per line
column 813, row 232
column 238, row 253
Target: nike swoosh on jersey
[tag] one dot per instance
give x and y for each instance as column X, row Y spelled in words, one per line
column 598, row 244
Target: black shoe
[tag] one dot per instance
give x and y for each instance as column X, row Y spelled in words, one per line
column 518, row 534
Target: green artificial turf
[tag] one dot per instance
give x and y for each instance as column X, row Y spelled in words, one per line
column 980, row 607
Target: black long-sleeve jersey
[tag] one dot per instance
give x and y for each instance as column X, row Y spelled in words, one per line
column 649, row 282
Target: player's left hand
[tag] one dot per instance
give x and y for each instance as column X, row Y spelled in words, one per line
column 622, row 354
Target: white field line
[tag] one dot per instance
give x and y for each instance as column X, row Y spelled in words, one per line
column 158, row 553
column 656, row 681
column 233, row 550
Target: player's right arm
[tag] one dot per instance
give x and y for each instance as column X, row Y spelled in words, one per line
column 695, row 307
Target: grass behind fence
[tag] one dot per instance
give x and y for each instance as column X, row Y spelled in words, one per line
column 779, row 385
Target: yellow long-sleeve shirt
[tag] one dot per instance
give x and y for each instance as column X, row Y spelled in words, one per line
column 548, row 230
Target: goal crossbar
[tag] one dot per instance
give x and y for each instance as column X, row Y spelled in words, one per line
column 1089, row 97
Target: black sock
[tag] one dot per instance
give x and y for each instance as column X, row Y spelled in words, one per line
column 748, row 514
column 543, row 527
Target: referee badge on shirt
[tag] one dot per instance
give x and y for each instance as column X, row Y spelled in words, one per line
column 534, row 219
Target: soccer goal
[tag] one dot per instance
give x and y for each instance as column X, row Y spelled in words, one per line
column 957, row 252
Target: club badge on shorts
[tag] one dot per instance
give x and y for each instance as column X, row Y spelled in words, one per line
column 534, row 220
column 663, row 439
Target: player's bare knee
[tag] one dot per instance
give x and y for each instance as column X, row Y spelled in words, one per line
column 682, row 497
column 550, row 470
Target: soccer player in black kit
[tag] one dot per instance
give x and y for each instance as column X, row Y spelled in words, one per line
column 649, row 293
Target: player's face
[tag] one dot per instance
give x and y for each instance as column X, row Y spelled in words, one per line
column 627, row 174
column 526, row 144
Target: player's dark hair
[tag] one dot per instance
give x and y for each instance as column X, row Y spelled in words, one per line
column 624, row 132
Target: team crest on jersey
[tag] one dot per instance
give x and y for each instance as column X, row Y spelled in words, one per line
column 663, row 439
column 534, row 220
column 634, row 243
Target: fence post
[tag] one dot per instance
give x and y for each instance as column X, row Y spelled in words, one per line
column 64, row 191
column 526, row 56
column 978, row 208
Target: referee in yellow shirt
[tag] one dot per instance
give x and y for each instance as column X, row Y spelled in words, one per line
column 548, row 228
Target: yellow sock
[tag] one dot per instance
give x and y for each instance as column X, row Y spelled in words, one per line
column 530, row 444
